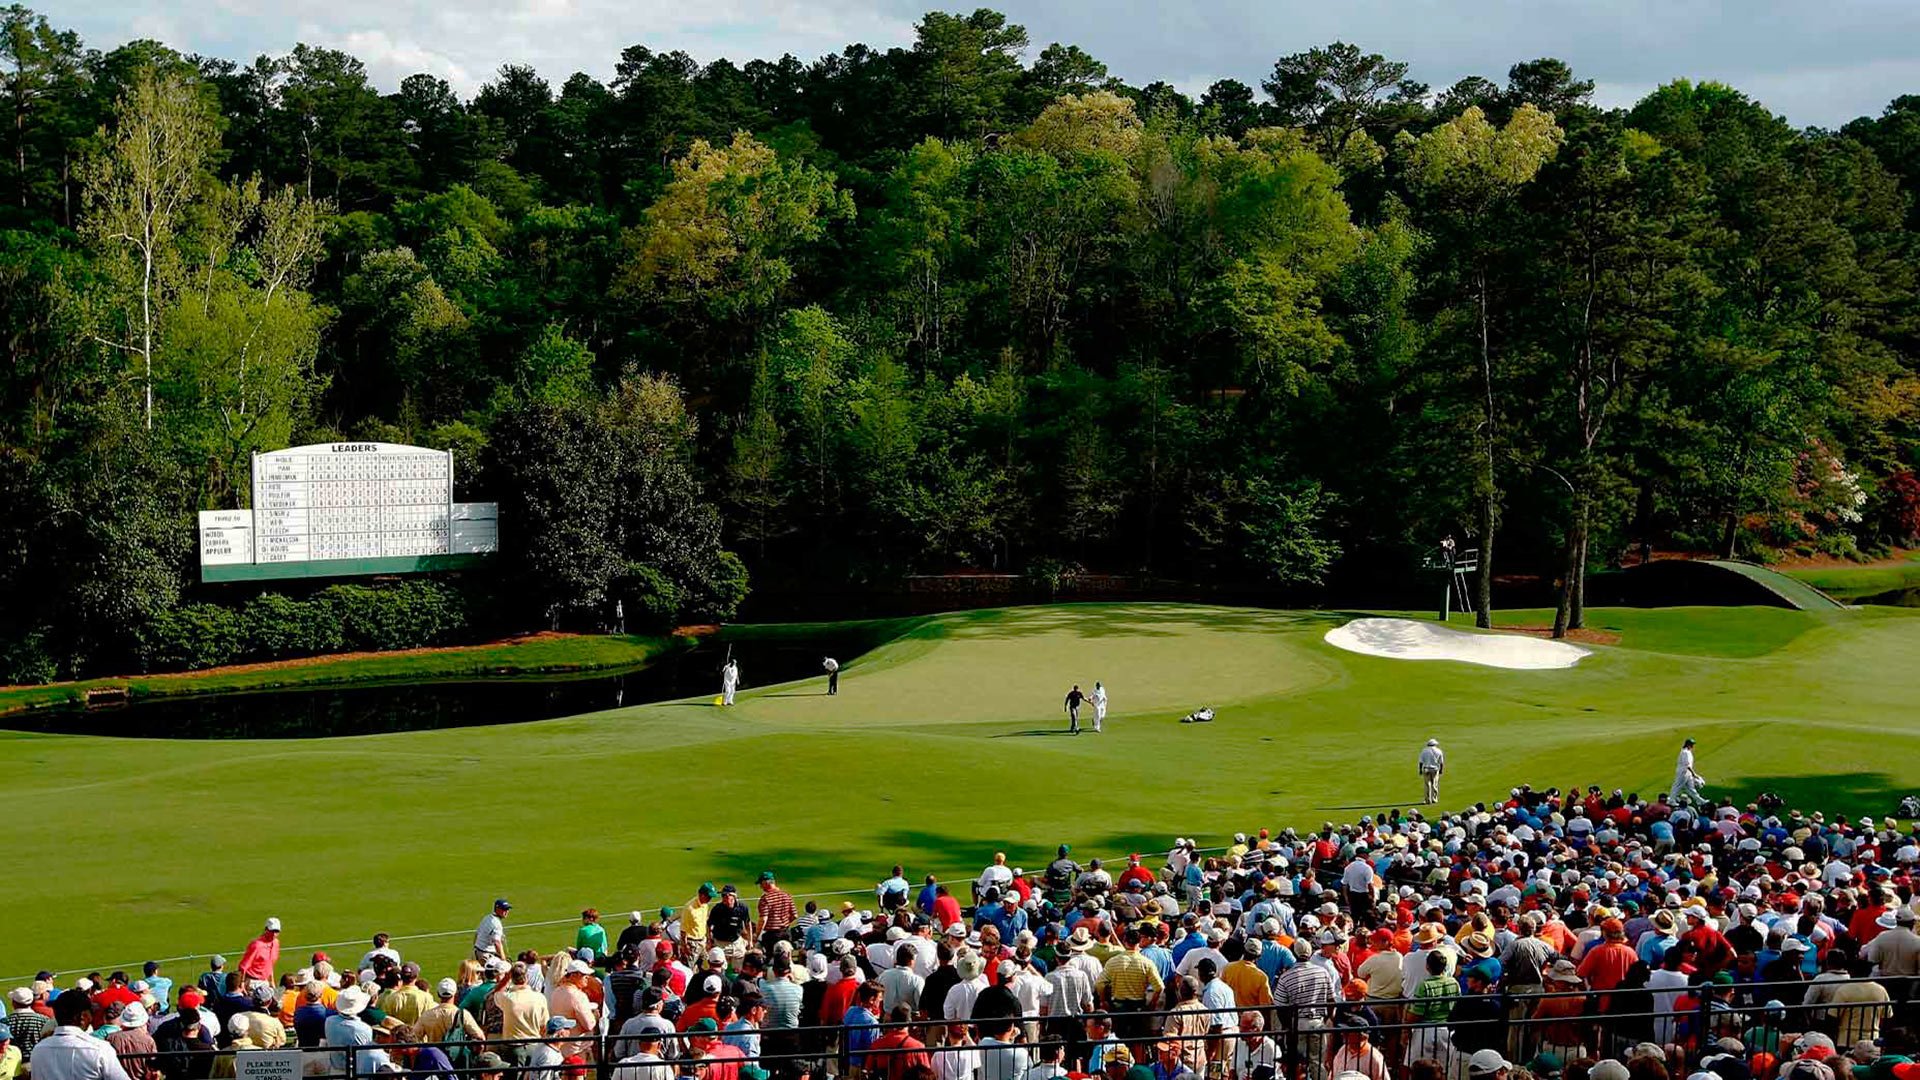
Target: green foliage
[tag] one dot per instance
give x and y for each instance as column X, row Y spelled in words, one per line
column 948, row 306
column 410, row 614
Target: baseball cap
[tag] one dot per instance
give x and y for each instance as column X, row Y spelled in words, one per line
column 1487, row 1061
column 766, row 875
column 501, row 903
column 558, row 1024
column 5, row 1033
column 273, row 924
column 447, row 988
column 579, row 967
column 490, row 1062
column 20, row 995
column 704, row 1024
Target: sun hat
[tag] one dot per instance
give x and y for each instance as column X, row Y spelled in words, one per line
column 351, row 1002
column 134, row 1015
column 1607, row 1069
column 579, row 967
column 1563, row 970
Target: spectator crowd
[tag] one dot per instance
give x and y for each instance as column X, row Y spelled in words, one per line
column 1553, row 935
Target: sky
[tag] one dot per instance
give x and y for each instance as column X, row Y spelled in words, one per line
column 1816, row 63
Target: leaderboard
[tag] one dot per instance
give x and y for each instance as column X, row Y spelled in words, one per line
column 351, row 501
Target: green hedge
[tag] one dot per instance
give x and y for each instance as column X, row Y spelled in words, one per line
column 338, row 618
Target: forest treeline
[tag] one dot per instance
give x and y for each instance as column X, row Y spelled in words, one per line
column 969, row 303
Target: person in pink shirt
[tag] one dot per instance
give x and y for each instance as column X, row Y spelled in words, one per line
column 262, row 955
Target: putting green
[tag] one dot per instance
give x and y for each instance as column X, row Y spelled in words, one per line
column 943, row 746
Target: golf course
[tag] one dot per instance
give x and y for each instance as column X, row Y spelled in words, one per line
column 946, row 742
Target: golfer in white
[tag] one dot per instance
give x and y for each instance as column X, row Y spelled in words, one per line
column 729, row 682
column 1099, row 700
column 1433, row 762
column 1686, row 782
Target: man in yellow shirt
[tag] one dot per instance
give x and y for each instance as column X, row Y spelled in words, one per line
column 523, row 1013
column 9, row 1054
column 408, row 1000
column 693, row 923
column 1250, row 986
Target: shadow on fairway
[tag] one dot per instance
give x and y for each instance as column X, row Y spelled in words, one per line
column 1874, row 793
column 1370, row 806
column 1131, row 620
column 1032, row 733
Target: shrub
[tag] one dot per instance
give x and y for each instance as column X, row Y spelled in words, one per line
column 192, row 636
column 652, row 599
column 272, row 626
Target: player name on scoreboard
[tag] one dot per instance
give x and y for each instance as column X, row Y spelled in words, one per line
column 347, row 508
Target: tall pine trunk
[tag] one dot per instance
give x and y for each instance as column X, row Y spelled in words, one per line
column 1483, row 581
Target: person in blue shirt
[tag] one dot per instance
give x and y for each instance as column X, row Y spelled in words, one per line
column 893, row 891
column 862, row 1024
column 1162, row 957
column 158, row 985
column 1166, row 1063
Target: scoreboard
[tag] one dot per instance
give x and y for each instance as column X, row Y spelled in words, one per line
column 347, row 508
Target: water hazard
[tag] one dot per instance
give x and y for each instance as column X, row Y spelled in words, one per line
column 367, row 710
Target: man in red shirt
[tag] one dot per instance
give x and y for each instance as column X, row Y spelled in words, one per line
column 1863, row 927
column 1707, row 946
column 116, row 992
column 262, row 955
column 1135, row 872
column 1605, row 965
column 896, row 1050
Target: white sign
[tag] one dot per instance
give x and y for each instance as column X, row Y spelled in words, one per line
column 476, row 529
column 365, row 500
column 266, row 1065
column 226, row 537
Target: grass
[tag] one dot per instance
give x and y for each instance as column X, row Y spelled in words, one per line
column 1855, row 582
column 543, row 654
column 944, row 745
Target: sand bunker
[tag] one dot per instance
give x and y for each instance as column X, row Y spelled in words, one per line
column 1407, row 639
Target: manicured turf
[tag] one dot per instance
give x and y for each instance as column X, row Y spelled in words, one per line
column 943, row 746
column 541, row 654
column 1855, row 582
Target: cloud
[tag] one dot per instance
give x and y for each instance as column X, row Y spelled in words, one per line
column 1816, row 63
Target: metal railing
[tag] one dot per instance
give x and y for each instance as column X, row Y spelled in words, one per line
column 1301, row 1039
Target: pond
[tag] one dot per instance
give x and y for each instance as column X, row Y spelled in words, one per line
column 367, row 710
column 1897, row 598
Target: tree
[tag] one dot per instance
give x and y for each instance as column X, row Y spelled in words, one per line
column 136, row 192
column 722, row 239
column 1335, row 90
column 968, row 68
column 44, row 87
column 1469, row 172
column 1059, row 70
column 1229, row 108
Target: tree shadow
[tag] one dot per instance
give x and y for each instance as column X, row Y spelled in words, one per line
column 1032, row 733
column 1848, row 793
column 1367, row 806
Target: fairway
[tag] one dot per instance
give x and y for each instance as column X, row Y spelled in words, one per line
column 942, row 746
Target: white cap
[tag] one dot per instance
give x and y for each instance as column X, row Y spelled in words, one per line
column 273, row 924
column 1487, row 1061
column 448, row 988
column 579, row 967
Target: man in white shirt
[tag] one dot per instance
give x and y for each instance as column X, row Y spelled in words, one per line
column 995, row 876
column 490, row 937
column 1357, row 881
column 900, row 984
column 71, row 1052
column 1432, row 763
